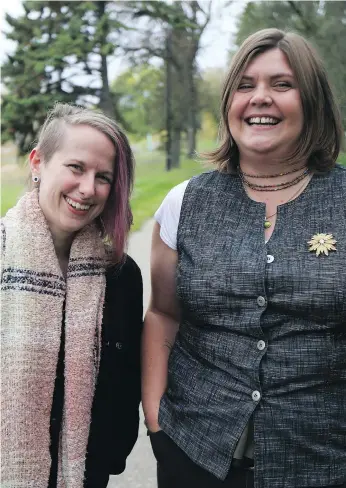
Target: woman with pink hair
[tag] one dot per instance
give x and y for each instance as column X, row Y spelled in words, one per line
column 71, row 310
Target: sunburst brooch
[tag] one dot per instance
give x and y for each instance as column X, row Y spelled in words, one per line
column 322, row 244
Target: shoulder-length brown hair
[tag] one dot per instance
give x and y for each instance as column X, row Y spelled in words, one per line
column 321, row 138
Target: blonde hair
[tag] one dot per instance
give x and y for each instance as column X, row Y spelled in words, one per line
column 321, row 138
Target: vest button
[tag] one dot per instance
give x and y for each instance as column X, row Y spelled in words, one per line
column 261, row 301
column 119, row 345
column 270, row 258
column 261, row 345
column 256, row 396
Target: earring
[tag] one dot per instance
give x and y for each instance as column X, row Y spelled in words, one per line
column 35, row 179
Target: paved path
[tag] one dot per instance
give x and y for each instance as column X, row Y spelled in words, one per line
column 141, row 466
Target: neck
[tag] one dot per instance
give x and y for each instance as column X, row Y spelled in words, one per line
column 62, row 245
column 262, row 165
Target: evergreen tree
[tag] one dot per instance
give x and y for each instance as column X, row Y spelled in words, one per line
column 28, row 79
column 62, row 50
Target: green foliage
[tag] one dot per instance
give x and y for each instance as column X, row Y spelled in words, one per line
column 303, row 17
column 57, row 43
column 139, row 92
column 62, row 50
column 175, row 38
column 24, row 74
column 173, row 14
column 210, row 88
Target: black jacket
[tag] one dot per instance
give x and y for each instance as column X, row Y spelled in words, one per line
column 115, row 414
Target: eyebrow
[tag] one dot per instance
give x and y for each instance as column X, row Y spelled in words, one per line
column 273, row 77
column 110, row 173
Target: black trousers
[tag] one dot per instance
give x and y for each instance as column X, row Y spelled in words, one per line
column 176, row 470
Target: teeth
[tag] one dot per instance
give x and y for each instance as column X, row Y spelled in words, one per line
column 263, row 120
column 77, row 205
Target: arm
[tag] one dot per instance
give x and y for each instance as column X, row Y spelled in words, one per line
column 160, row 328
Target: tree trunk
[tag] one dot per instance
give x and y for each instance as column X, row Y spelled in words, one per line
column 192, row 111
column 168, row 102
column 191, row 141
column 176, row 137
column 106, row 102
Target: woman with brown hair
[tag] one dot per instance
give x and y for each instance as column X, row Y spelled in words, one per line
column 244, row 347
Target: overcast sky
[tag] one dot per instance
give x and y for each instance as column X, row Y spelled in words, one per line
column 216, row 40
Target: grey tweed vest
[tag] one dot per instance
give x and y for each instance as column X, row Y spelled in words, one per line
column 262, row 333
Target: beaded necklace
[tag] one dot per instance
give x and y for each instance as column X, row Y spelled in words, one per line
column 279, row 186
column 271, row 176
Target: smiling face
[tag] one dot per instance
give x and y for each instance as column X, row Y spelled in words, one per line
column 266, row 116
column 76, row 182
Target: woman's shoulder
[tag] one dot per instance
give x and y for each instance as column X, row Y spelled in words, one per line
column 338, row 176
column 130, row 266
column 175, row 196
column 339, row 168
column 332, row 184
column 167, row 215
column 212, row 180
column 176, row 193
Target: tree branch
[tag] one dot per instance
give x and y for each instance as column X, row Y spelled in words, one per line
column 307, row 25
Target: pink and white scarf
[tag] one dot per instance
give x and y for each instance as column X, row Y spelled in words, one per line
column 33, row 295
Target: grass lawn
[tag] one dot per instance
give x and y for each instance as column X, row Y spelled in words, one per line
column 13, row 177
column 10, row 193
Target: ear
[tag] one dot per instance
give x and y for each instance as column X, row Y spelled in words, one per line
column 35, row 162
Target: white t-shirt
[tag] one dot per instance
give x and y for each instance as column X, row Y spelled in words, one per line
column 168, row 214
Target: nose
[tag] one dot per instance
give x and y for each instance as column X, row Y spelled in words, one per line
column 87, row 186
column 261, row 97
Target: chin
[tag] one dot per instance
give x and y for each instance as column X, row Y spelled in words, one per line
column 262, row 149
column 71, row 229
